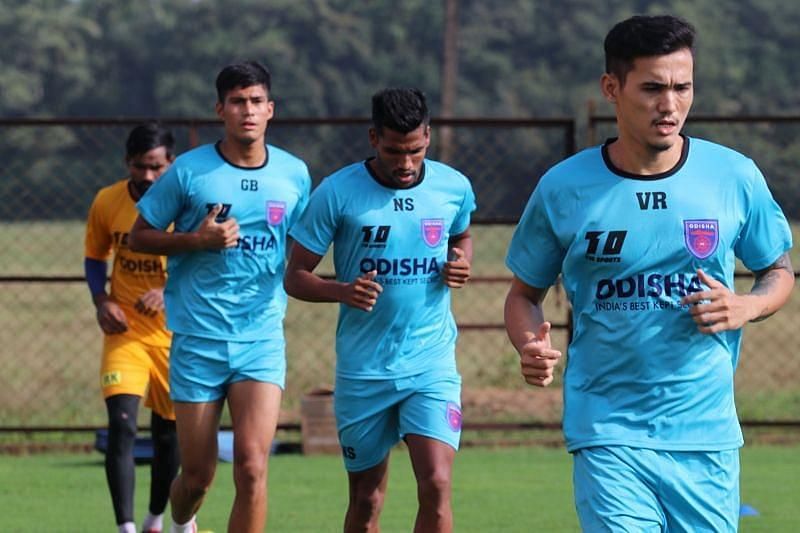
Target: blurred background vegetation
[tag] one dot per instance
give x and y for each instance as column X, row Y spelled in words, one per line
column 474, row 58
column 92, row 58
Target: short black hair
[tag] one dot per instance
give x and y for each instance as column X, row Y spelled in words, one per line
column 645, row 36
column 146, row 137
column 244, row 74
column 401, row 110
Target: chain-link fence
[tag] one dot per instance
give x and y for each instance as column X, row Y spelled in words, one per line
column 51, row 344
column 53, row 168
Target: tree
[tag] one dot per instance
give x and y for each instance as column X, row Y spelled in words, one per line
column 44, row 56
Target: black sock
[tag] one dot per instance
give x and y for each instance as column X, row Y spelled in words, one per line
column 120, row 468
column 165, row 463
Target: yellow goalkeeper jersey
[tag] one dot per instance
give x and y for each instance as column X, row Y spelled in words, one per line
column 111, row 217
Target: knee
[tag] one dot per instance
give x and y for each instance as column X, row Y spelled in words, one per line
column 250, row 472
column 122, row 409
column 164, row 435
column 197, row 481
column 435, row 486
column 121, row 425
column 368, row 503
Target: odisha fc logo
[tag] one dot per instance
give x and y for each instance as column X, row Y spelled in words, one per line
column 432, row 231
column 701, row 237
column 275, row 212
column 454, row 416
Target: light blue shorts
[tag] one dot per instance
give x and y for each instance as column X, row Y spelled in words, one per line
column 200, row 369
column 373, row 415
column 618, row 489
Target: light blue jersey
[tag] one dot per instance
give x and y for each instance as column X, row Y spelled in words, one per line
column 402, row 234
column 234, row 294
column 639, row 373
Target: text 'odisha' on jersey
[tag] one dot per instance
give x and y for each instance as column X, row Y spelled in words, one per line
column 406, row 266
column 652, row 285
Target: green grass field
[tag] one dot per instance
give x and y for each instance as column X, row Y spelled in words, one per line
column 504, row 490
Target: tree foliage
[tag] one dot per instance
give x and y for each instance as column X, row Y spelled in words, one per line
column 45, row 57
column 516, row 58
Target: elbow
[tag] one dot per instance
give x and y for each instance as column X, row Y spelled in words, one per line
column 299, row 285
column 289, row 285
column 137, row 242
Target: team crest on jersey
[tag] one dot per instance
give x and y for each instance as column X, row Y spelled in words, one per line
column 701, row 237
column 275, row 212
column 432, row 231
column 454, row 416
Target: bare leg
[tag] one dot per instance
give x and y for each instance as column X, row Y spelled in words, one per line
column 254, row 410
column 433, row 467
column 197, row 425
column 367, row 494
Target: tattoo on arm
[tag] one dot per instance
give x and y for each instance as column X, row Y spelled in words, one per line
column 767, row 279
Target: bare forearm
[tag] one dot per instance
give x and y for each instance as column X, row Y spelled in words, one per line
column 522, row 319
column 154, row 241
column 307, row 286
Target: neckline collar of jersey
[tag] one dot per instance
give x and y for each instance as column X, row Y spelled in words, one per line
column 259, row 167
column 645, row 177
column 388, row 186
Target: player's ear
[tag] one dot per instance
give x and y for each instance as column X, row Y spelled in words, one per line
column 609, row 86
column 373, row 137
